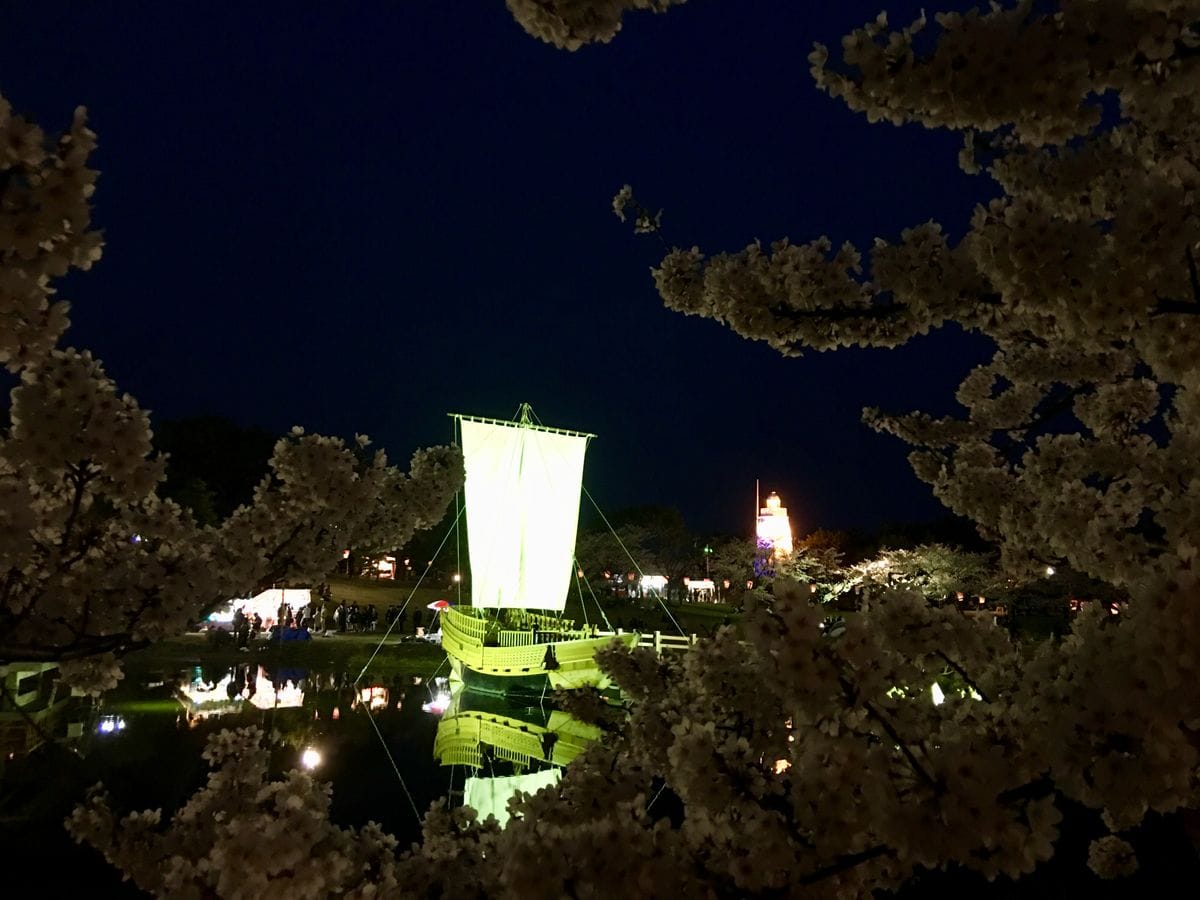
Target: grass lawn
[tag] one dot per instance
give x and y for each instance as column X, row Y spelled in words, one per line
column 700, row 618
column 382, row 594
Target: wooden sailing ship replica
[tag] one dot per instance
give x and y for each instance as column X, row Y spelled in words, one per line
column 522, row 491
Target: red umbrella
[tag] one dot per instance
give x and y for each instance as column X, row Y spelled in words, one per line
column 439, row 605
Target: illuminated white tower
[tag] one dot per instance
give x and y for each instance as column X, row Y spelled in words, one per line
column 774, row 529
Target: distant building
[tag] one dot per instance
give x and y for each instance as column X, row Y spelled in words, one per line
column 774, row 530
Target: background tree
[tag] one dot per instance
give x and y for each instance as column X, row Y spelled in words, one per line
column 935, row 570
column 820, row 567
column 213, row 464
column 599, row 550
column 732, row 560
column 826, row 539
column 652, row 540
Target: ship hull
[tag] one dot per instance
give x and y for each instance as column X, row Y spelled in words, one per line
column 488, row 657
column 466, row 737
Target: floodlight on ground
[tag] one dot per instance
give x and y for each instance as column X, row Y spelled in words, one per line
column 310, row 758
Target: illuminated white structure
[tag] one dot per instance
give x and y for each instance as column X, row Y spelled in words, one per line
column 774, row 530
column 653, row 584
column 269, row 694
column 265, row 605
column 201, row 700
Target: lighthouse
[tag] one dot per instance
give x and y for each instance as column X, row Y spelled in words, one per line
column 774, row 530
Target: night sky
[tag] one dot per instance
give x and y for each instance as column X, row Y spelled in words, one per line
column 362, row 216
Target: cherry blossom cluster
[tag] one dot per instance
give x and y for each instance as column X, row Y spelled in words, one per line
column 93, row 562
column 935, row 570
column 1082, row 271
column 243, row 835
column 44, row 218
column 570, row 24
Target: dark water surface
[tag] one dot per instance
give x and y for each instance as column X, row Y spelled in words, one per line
column 144, row 742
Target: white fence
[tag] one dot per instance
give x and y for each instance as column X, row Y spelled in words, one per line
column 659, row 641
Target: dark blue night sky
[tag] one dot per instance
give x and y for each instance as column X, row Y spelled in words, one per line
column 362, row 216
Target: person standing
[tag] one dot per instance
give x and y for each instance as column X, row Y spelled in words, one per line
column 241, row 629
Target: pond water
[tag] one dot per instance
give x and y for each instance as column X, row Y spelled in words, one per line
column 144, row 742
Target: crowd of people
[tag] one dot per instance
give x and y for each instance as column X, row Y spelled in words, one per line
column 322, row 616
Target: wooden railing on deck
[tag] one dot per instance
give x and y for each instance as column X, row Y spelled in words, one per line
column 658, row 641
column 555, row 630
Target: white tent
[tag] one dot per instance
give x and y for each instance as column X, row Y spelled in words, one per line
column 266, row 604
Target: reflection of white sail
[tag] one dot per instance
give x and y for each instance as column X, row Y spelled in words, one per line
column 490, row 796
column 522, row 491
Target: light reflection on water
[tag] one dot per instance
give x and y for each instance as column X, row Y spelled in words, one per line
column 149, row 733
column 144, row 741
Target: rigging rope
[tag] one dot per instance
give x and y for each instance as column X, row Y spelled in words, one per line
column 454, row 427
column 579, row 591
column 661, row 788
column 392, row 760
column 416, row 586
column 608, row 524
column 595, row 599
column 641, row 574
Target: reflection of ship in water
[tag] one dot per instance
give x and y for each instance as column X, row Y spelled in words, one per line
column 507, row 747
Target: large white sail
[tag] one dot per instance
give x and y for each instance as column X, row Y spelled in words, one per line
column 522, row 495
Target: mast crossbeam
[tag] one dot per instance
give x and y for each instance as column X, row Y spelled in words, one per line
column 462, row 417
